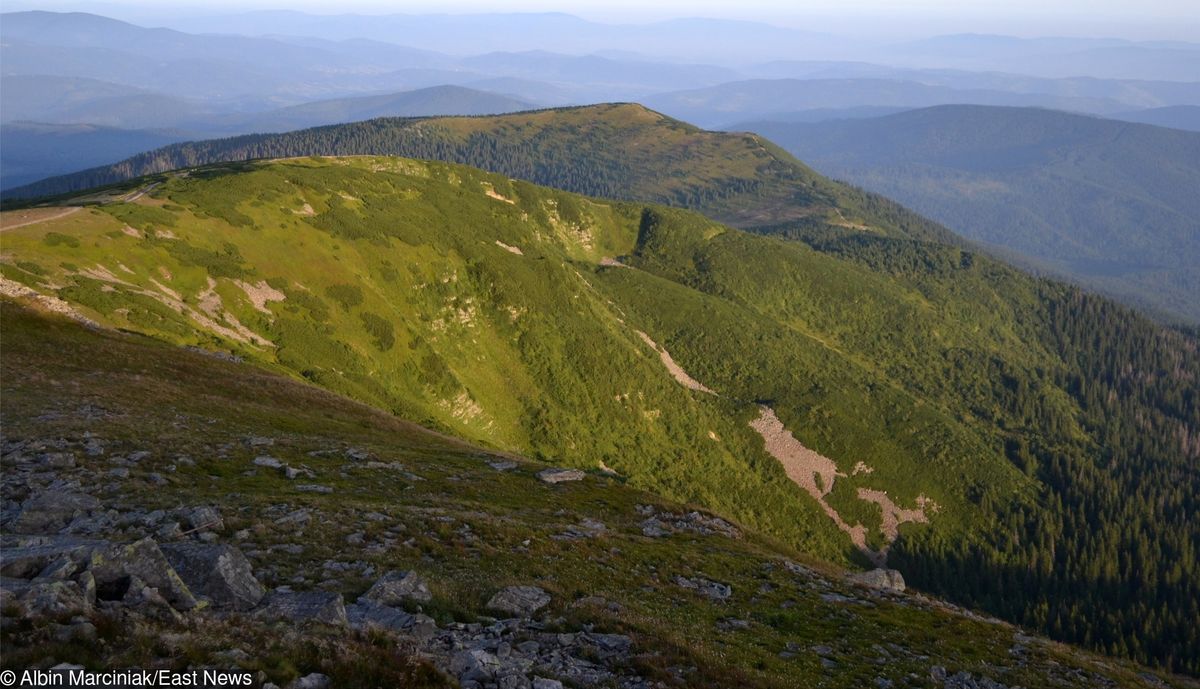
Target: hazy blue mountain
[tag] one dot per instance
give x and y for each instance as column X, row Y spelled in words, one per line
column 33, row 151
column 74, row 100
column 1137, row 92
column 466, row 34
column 1111, row 204
column 630, row 76
column 1058, row 57
column 436, row 100
column 1173, row 116
column 764, row 98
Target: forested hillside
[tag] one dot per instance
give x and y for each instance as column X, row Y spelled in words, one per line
column 1012, row 434
column 621, row 151
column 1109, row 204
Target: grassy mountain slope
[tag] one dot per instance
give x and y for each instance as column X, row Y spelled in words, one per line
column 1109, row 204
column 486, row 307
column 621, row 151
column 467, row 529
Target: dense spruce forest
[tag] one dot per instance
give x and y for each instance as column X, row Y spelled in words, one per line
column 1070, row 424
column 1108, row 554
column 1111, row 205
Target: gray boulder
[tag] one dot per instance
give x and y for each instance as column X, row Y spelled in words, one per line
column 312, row 681
column 560, row 475
column 366, row 615
column 396, row 587
column 203, row 517
column 51, row 511
column 220, row 573
column 706, row 587
column 115, row 567
column 305, row 606
column 521, row 601
column 543, row 683
column 474, row 665
column 882, row 579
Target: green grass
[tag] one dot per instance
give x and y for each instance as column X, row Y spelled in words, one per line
column 175, row 403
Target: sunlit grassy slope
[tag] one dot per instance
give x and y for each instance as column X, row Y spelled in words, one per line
column 469, row 529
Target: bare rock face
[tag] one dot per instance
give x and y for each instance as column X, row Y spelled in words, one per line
column 305, row 606
column 882, row 579
column 218, row 572
column 560, row 475
column 396, row 587
column 520, row 601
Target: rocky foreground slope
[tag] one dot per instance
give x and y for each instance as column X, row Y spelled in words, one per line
column 168, row 508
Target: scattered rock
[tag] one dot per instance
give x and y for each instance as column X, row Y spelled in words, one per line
column 314, row 488
column 502, row 464
column 51, row 511
column 474, row 665
column 268, row 462
column 521, row 601
column 560, row 475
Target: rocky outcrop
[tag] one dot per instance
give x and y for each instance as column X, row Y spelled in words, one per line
column 659, row 524
column 881, row 579
column 560, row 475
column 521, row 601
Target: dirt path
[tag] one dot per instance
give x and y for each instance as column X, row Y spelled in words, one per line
column 33, row 216
column 141, row 192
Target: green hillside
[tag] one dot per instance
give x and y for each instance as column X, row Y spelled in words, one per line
column 468, row 529
column 621, row 151
column 1022, row 434
column 1111, row 205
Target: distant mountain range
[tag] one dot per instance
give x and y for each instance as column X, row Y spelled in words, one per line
column 1173, row 116
column 33, row 150
column 1113, row 205
column 766, row 98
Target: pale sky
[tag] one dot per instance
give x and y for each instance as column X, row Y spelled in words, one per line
column 1140, row 19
